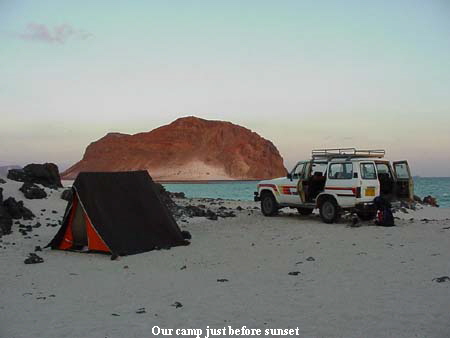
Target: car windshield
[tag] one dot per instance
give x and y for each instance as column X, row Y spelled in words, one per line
column 298, row 171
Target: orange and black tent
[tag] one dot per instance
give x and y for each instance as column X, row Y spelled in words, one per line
column 118, row 213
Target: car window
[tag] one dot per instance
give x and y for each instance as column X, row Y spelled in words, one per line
column 401, row 169
column 341, row 171
column 368, row 171
column 383, row 170
column 298, row 171
column 319, row 169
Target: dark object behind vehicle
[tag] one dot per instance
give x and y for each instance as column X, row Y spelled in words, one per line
column 384, row 216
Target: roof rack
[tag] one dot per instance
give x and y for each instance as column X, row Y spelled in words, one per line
column 346, row 153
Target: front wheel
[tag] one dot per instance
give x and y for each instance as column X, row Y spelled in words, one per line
column 329, row 211
column 269, row 206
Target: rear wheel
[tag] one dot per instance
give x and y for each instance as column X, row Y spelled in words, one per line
column 329, row 211
column 305, row 211
column 269, row 205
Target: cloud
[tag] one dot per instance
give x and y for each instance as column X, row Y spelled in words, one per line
column 58, row 34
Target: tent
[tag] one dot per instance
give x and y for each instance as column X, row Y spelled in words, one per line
column 118, row 213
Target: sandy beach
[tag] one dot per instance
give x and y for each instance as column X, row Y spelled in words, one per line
column 288, row 271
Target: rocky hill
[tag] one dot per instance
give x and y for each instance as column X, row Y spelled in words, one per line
column 189, row 148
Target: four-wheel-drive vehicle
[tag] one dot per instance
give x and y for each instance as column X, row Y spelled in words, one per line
column 336, row 180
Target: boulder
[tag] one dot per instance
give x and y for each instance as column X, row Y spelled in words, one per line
column 224, row 214
column 67, row 195
column 17, row 175
column 46, row 174
column 2, row 181
column 430, row 200
column 186, row 234
column 5, row 221
column 17, row 210
column 1, row 195
column 32, row 191
column 33, row 259
column 177, row 194
column 211, row 215
column 194, row 211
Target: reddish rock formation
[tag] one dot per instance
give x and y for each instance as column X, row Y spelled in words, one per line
column 189, row 148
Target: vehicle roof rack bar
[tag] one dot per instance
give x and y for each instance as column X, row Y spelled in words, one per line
column 331, row 153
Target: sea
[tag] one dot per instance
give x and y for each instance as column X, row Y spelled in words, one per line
column 438, row 187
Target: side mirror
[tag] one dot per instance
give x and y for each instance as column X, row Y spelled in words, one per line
column 289, row 176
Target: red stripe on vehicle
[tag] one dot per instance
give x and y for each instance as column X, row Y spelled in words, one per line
column 342, row 188
column 286, row 189
column 273, row 186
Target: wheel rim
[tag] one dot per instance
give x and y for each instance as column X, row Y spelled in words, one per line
column 328, row 210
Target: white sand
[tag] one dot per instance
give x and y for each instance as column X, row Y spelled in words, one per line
column 365, row 282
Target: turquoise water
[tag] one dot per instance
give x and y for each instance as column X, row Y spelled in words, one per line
column 235, row 190
column 438, row 187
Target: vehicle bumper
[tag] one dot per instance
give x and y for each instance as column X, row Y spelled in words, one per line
column 256, row 197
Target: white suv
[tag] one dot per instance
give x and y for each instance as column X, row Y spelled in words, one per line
column 335, row 180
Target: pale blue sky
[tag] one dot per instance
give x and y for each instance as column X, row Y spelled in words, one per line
column 303, row 74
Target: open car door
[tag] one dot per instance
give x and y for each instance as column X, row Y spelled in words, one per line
column 404, row 188
column 302, row 184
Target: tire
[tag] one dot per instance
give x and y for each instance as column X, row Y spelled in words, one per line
column 329, row 211
column 269, row 205
column 305, row 211
column 366, row 216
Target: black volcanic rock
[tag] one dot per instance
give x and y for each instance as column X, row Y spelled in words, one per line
column 194, row 211
column 186, row 234
column 16, row 209
column 33, row 259
column 177, row 194
column 5, row 221
column 17, row 175
column 32, row 191
column 211, row 215
column 441, row 279
column 46, row 174
column 66, row 195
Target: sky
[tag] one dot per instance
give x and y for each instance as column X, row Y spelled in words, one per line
column 303, row 74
